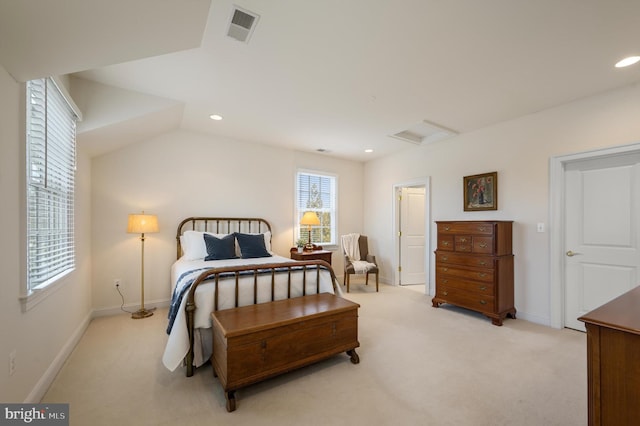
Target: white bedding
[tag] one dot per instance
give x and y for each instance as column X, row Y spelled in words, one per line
column 178, row 342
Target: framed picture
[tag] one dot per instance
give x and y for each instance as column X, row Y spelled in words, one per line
column 481, row 192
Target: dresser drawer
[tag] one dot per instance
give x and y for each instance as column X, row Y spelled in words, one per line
column 471, row 228
column 465, row 260
column 456, row 296
column 445, row 242
column 482, row 245
column 485, row 275
column 463, row 243
column 466, row 285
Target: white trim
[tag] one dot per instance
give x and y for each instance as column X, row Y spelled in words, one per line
column 41, row 387
column 67, row 97
column 336, row 245
column 131, row 307
column 37, row 295
column 419, row 182
column 557, row 167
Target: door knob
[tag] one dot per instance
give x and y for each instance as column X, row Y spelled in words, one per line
column 571, row 254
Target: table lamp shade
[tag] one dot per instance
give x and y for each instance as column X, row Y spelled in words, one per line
column 310, row 218
column 142, row 224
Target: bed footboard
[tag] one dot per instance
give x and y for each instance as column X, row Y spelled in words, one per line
column 290, row 269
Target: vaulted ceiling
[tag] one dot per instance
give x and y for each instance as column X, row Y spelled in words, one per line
column 340, row 76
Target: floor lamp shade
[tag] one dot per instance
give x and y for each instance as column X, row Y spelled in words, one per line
column 142, row 224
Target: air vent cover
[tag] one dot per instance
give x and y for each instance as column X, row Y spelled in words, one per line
column 242, row 24
column 423, row 133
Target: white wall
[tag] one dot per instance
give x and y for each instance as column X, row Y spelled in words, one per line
column 182, row 174
column 519, row 150
column 44, row 335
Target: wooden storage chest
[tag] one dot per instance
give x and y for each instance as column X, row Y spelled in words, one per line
column 255, row 342
column 474, row 267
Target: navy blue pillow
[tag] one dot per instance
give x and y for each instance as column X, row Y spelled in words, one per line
column 252, row 245
column 220, row 248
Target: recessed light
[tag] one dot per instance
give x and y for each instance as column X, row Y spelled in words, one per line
column 368, row 150
column 215, row 117
column 627, row 61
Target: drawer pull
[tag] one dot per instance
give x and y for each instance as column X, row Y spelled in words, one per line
column 445, row 269
column 482, row 274
column 482, row 263
column 445, row 258
column 481, row 228
column 463, row 240
column 446, row 228
column 482, row 302
column 445, row 293
column 483, row 288
column 445, row 243
column 483, row 245
column 445, row 281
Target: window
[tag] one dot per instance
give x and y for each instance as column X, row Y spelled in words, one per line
column 51, row 162
column 317, row 192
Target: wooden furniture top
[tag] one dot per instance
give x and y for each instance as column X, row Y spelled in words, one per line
column 622, row 313
column 295, row 251
column 254, row 318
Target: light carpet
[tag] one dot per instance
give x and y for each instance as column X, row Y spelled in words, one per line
column 418, row 366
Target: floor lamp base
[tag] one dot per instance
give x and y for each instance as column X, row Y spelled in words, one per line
column 142, row 313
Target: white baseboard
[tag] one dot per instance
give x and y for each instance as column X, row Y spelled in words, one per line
column 39, row 390
column 116, row 310
column 533, row 318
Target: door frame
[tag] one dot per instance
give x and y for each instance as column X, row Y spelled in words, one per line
column 419, row 182
column 557, row 169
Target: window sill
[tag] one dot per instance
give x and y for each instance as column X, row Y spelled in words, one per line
column 37, row 295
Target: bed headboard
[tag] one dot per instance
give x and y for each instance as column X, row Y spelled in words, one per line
column 221, row 225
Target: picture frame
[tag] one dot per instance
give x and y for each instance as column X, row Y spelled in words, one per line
column 481, row 192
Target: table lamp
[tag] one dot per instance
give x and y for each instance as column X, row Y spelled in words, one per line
column 309, row 219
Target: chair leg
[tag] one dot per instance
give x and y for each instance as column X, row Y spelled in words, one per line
column 376, row 281
column 366, row 278
column 347, row 280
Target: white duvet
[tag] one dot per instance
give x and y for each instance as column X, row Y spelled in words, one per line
column 181, row 273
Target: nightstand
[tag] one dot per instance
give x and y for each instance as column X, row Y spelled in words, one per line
column 311, row 255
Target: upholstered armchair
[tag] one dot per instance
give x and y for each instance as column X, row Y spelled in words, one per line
column 357, row 259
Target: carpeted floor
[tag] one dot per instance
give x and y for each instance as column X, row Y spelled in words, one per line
column 418, row 366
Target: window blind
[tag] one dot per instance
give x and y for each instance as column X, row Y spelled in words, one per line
column 51, row 162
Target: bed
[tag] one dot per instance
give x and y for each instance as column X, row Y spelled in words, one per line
column 226, row 263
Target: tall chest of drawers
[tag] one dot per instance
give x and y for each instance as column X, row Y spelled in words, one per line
column 474, row 267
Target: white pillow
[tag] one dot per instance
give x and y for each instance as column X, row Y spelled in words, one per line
column 267, row 240
column 193, row 245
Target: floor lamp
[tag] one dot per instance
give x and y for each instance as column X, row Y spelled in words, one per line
column 309, row 219
column 142, row 224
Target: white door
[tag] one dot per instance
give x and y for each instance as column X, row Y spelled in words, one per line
column 412, row 239
column 602, row 232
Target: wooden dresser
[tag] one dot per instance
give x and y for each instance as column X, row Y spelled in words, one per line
column 255, row 342
column 474, row 267
column 613, row 361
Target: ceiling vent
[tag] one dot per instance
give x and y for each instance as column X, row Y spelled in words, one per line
column 423, row 133
column 242, row 24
